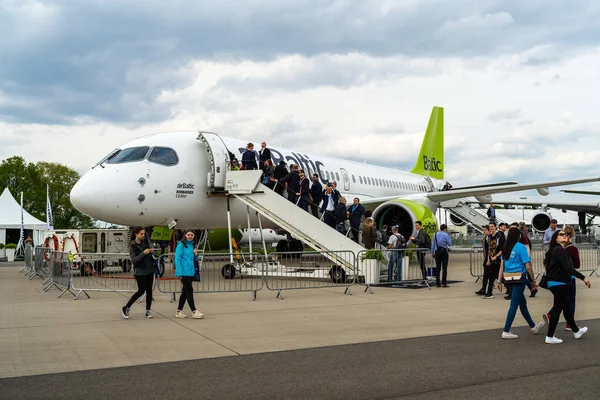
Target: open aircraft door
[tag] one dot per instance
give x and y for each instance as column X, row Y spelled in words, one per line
column 218, row 156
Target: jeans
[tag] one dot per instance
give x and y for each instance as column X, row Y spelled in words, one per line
column 572, row 295
column 518, row 301
column 490, row 274
column 395, row 262
column 144, row 283
column 187, row 293
column 561, row 304
column 441, row 263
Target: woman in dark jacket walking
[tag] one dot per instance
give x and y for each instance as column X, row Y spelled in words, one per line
column 559, row 269
column 143, row 264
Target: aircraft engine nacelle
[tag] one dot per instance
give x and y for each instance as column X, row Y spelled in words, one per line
column 541, row 221
column 485, row 198
column 404, row 213
column 456, row 221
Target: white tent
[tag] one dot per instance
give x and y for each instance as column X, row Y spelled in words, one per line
column 10, row 218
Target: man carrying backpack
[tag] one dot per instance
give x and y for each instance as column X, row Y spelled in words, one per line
column 423, row 241
column 396, row 243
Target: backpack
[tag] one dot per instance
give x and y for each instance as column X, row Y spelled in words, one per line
column 401, row 242
column 427, row 240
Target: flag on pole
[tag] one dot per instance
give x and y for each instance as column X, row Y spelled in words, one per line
column 22, row 235
column 49, row 221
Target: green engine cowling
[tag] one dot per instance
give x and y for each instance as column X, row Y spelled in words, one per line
column 405, row 213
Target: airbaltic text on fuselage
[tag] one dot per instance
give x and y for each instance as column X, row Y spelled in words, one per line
column 309, row 166
column 431, row 164
column 183, row 189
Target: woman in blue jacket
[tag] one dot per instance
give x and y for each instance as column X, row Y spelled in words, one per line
column 185, row 256
column 516, row 263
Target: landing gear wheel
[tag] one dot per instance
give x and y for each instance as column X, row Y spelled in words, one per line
column 228, row 271
column 161, row 267
column 126, row 265
column 338, row 275
column 296, row 246
column 283, row 246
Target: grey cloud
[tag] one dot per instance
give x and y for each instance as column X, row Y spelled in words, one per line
column 100, row 60
column 505, row 115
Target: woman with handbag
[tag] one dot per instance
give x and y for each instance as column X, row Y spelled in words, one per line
column 573, row 252
column 185, row 256
column 514, row 269
column 143, row 265
column 559, row 270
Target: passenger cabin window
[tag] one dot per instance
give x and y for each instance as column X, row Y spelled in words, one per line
column 360, row 179
column 163, row 156
column 132, row 154
column 353, row 179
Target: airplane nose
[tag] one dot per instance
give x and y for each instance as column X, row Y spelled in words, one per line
column 87, row 197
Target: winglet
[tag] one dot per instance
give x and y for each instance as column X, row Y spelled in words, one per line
column 431, row 158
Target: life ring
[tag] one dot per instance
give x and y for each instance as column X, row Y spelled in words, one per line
column 47, row 245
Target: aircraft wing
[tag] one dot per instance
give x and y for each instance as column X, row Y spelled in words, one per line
column 439, row 197
column 581, row 192
column 589, row 208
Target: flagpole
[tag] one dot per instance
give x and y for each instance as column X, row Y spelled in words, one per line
column 20, row 249
column 49, row 221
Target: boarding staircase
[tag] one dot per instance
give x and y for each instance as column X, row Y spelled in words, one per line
column 460, row 209
column 246, row 187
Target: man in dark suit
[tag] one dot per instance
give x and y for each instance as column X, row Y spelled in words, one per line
column 329, row 205
column 293, row 183
column 491, row 213
column 316, row 194
column 249, row 158
column 303, row 191
column 264, row 154
column 422, row 243
column 355, row 213
column 280, row 173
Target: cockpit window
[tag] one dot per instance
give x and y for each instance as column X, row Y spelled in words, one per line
column 108, row 157
column 163, row 156
column 129, row 155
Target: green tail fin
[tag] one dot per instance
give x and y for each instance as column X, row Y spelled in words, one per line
column 431, row 158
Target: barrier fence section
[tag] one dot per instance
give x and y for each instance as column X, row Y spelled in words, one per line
column 41, row 265
column 28, row 267
column 310, row 270
column 102, row 272
column 217, row 274
column 384, row 267
column 588, row 256
column 60, row 273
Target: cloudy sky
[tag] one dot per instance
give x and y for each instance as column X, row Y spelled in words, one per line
column 518, row 79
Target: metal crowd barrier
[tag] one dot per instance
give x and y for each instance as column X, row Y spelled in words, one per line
column 310, row 270
column 408, row 266
column 97, row 272
column 588, row 255
column 41, row 265
column 60, row 273
column 28, row 267
column 217, row 274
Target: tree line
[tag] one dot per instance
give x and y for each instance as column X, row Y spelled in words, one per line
column 20, row 176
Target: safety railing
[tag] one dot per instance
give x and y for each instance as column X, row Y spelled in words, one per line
column 61, row 267
column 588, row 255
column 102, row 272
column 216, row 274
column 41, row 264
column 393, row 267
column 310, row 270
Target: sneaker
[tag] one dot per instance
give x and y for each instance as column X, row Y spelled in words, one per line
column 546, row 318
column 533, row 293
column 553, row 340
column 488, row 296
column 125, row 312
column 480, row 292
column 509, row 335
column 580, row 333
column 180, row 314
column 148, row 314
column 568, row 328
column 197, row 314
column 537, row 327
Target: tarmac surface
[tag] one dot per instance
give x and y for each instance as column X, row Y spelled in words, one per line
column 315, row 344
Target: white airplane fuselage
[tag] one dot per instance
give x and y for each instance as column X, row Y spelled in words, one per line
column 147, row 194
